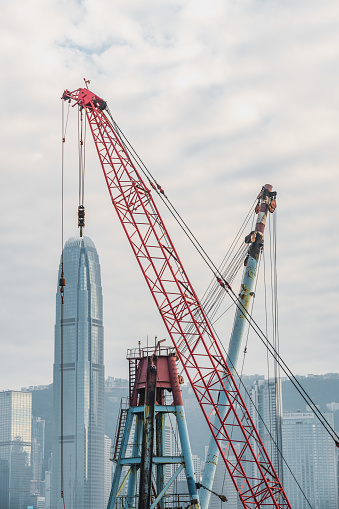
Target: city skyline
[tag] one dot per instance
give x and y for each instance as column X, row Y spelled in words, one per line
column 217, row 100
column 325, row 391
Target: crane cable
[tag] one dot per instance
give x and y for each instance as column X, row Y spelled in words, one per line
column 214, row 295
column 283, row 365
column 234, row 298
column 222, row 267
column 62, row 284
column 239, row 378
column 154, row 184
column 275, row 313
column 82, row 165
column 273, row 440
column 275, row 443
column 133, row 155
column 244, row 355
column 267, row 352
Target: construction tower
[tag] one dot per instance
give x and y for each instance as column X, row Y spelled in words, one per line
column 140, row 478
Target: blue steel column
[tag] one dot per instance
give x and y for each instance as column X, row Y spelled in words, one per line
column 236, row 337
column 132, row 481
column 183, row 432
column 160, row 448
column 122, row 453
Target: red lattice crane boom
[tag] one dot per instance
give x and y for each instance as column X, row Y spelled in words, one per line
column 197, row 347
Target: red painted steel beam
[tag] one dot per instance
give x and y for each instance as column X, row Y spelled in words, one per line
column 199, row 351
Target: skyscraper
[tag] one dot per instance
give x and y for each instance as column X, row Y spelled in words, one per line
column 15, row 449
column 83, row 382
column 38, row 446
column 108, row 469
column 266, row 411
column 311, row 455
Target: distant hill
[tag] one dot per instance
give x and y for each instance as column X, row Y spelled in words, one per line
column 323, row 389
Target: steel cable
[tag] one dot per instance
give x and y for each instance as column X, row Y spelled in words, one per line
column 129, row 150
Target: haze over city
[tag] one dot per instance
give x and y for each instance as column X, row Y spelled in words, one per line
column 217, row 99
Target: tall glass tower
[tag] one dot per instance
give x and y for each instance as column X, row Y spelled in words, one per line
column 83, row 382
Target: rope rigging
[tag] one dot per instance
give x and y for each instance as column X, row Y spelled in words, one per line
column 62, row 283
column 222, row 278
column 229, row 267
column 239, row 378
column 275, row 332
column 81, row 148
column 157, row 187
column 276, row 439
column 141, row 193
column 244, row 355
column 284, row 367
column 272, row 348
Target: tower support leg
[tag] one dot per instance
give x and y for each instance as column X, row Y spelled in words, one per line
column 160, row 448
column 183, row 431
column 148, row 437
column 118, row 469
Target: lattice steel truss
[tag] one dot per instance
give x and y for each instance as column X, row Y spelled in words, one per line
column 199, row 351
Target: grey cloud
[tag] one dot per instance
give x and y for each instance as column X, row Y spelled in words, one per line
column 217, row 100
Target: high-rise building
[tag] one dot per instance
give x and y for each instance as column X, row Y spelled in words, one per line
column 108, row 469
column 310, row 453
column 83, row 382
column 48, row 485
column 38, row 445
column 197, row 470
column 15, row 449
column 266, row 412
column 171, row 449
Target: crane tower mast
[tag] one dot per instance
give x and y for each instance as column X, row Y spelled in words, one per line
column 195, row 343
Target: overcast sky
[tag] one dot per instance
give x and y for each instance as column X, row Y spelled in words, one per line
column 218, row 98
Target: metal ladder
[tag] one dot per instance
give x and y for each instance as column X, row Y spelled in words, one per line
column 120, row 429
column 132, row 376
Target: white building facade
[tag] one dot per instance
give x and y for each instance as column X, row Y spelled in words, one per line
column 312, row 457
column 108, row 469
column 15, row 449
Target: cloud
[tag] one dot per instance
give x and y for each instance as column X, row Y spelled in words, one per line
column 217, row 100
